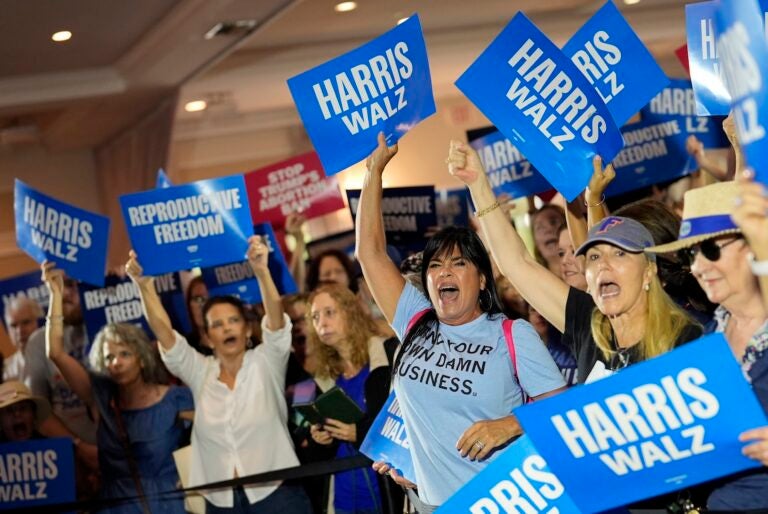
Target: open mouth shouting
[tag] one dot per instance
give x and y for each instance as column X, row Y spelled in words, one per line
column 448, row 292
column 607, row 289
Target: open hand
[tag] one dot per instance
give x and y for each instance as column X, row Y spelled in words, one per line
column 479, row 440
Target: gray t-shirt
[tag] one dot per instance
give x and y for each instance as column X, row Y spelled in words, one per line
column 453, row 378
column 44, row 379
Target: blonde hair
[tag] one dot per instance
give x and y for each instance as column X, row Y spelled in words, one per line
column 358, row 329
column 665, row 322
column 152, row 372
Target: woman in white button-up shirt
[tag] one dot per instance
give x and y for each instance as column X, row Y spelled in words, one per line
column 240, row 413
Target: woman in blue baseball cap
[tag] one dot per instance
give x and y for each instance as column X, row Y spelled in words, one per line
column 624, row 317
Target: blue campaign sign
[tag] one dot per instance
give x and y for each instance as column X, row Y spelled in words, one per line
column 237, row 279
column 712, row 98
column 387, row 441
column 743, row 54
column 75, row 239
column 452, row 207
column 204, row 223
column 616, row 62
column 119, row 301
column 540, row 100
column 408, row 213
column 707, row 72
column 382, row 86
column 518, row 480
column 162, row 179
column 654, row 152
column 678, row 101
column 507, row 169
column 657, row 426
column 36, row 473
column 27, row 285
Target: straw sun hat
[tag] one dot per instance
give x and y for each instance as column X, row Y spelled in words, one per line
column 706, row 214
column 14, row 392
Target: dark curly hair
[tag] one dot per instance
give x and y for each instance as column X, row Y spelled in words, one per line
column 471, row 248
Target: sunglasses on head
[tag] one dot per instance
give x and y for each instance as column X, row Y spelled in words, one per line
column 708, row 248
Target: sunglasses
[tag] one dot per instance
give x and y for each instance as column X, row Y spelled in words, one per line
column 709, row 249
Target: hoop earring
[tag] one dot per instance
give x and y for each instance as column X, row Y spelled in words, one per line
column 487, row 300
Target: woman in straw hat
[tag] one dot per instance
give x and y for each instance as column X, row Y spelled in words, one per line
column 624, row 318
column 20, row 412
column 718, row 256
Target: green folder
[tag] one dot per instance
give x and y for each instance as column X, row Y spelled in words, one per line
column 334, row 404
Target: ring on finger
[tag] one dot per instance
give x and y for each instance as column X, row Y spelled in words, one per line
column 480, row 445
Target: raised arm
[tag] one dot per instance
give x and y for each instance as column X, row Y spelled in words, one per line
column 540, row 288
column 381, row 274
column 751, row 215
column 695, row 149
column 72, row 371
column 729, row 127
column 298, row 264
column 594, row 196
column 574, row 220
column 258, row 254
column 154, row 311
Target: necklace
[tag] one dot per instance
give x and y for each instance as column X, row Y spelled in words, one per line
column 621, row 356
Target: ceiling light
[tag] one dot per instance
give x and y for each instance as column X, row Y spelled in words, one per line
column 402, row 20
column 345, row 6
column 631, row 2
column 195, row 106
column 62, row 35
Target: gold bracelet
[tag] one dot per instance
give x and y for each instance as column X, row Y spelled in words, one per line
column 601, row 202
column 483, row 212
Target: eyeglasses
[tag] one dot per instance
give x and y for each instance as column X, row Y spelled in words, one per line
column 709, row 249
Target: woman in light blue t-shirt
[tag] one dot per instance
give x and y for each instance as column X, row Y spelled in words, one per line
column 455, row 379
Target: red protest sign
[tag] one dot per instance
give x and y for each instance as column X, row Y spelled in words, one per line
column 296, row 185
column 682, row 55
